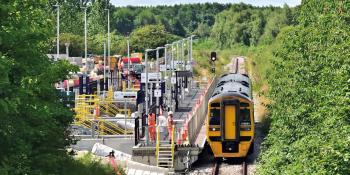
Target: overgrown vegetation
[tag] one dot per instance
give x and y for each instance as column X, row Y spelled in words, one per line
column 33, row 122
column 307, row 69
column 310, row 127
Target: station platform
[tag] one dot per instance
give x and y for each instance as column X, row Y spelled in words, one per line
column 189, row 134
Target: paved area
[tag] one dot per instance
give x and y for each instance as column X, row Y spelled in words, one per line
column 121, row 144
column 186, row 105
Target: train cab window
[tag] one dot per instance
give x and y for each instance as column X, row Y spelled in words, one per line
column 214, row 117
column 245, row 116
column 215, row 105
column 242, row 104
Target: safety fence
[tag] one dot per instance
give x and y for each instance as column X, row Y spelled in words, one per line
column 196, row 118
column 87, row 109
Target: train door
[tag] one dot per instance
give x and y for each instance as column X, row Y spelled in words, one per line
column 230, row 122
column 230, row 126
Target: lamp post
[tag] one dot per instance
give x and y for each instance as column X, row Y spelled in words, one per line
column 173, row 75
column 128, row 43
column 183, row 54
column 85, row 33
column 128, row 81
column 108, row 48
column 58, row 31
column 146, row 90
column 104, row 68
column 191, row 51
column 166, row 57
column 157, row 85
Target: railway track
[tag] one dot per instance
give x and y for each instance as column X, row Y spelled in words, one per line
column 241, row 168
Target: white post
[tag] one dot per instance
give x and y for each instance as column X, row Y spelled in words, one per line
column 67, row 49
column 128, row 63
column 85, row 33
column 108, row 49
column 146, row 94
column 104, row 69
column 166, row 75
column 125, row 116
column 158, row 83
column 146, row 82
column 172, row 75
column 183, row 65
column 58, row 32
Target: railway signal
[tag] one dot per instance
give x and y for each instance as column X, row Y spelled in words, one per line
column 213, row 57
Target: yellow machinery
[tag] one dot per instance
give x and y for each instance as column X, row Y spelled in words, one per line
column 87, row 115
column 230, row 120
column 108, row 107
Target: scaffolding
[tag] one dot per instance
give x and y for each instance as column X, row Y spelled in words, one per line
column 87, row 109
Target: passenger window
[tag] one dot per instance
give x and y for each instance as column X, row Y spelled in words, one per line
column 214, row 117
column 245, row 116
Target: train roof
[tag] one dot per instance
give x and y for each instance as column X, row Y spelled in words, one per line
column 233, row 85
column 232, row 77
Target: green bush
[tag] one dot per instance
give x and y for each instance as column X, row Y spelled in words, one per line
column 310, row 109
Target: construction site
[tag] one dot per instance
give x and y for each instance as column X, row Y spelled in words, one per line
column 114, row 97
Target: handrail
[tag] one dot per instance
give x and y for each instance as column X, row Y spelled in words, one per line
column 172, row 144
column 112, row 109
column 157, row 144
column 85, row 104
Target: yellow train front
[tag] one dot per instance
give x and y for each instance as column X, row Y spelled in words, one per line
column 230, row 122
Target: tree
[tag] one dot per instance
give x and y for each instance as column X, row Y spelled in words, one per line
column 33, row 122
column 97, row 20
column 124, row 20
column 118, row 44
column 145, row 17
column 150, row 36
column 309, row 132
column 203, row 30
column 76, row 44
column 177, row 28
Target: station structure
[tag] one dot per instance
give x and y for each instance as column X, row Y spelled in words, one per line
column 113, row 97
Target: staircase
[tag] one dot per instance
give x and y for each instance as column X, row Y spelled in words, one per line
column 165, row 156
column 165, row 152
column 109, row 109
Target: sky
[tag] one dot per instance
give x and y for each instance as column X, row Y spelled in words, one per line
column 291, row 3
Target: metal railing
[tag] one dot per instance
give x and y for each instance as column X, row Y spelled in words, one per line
column 160, row 145
column 172, row 144
column 196, row 118
column 87, row 115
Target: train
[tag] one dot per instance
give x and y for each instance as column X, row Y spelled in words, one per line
column 230, row 118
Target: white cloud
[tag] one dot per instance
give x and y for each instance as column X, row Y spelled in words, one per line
column 291, row 3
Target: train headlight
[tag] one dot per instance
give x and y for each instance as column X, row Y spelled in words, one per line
column 246, row 128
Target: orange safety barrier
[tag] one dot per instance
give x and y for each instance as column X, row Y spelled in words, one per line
column 97, row 111
column 114, row 166
column 185, row 129
column 179, row 139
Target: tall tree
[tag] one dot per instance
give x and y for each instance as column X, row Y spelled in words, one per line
column 123, row 20
column 97, row 22
column 150, row 36
column 33, row 122
column 145, row 17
